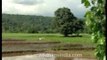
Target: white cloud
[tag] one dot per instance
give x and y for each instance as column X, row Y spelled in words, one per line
column 41, row 7
column 28, row 2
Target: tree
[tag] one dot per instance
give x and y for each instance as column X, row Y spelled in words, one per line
column 79, row 26
column 66, row 22
column 96, row 21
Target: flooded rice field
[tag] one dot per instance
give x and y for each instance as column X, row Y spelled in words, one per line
column 25, row 50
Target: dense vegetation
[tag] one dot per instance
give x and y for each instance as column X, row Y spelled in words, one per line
column 26, row 23
column 29, row 24
column 96, row 21
column 66, row 22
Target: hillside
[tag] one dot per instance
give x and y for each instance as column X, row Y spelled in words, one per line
column 26, row 23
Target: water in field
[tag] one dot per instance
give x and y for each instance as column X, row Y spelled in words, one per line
column 42, row 57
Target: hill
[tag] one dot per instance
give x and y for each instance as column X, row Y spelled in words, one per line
column 26, row 23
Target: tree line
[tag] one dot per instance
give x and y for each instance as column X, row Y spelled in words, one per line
column 26, row 23
column 63, row 22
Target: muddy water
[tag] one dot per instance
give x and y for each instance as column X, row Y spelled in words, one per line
column 42, row 57
column 31, row 57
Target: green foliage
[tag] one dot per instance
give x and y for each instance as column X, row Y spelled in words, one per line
column 26, row 23
column 95, row 20
column 86, row 3
column 66, row 22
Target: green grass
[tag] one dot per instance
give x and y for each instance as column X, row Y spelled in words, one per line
column 85, row 39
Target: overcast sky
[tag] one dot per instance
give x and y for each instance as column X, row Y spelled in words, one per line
column 42, row 7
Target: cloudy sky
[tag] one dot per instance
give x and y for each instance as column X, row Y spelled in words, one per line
column 42, row 7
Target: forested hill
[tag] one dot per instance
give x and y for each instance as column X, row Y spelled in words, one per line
column 26, row 23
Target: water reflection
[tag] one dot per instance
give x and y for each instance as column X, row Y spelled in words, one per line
column 31, row 57
column 42, row 57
